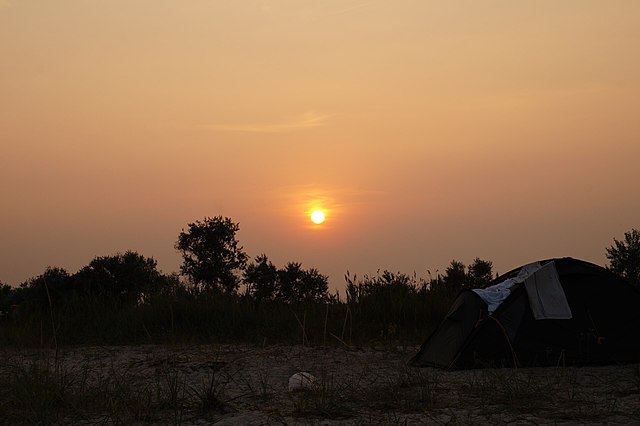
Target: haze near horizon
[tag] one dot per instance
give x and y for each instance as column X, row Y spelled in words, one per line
column 425, row 131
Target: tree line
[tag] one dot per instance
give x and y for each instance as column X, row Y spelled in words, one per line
column 221, row 292
column 214, row 262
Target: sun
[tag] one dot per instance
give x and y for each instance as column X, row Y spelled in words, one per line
column 317, row 217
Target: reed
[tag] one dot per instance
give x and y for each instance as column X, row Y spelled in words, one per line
column 393, row 308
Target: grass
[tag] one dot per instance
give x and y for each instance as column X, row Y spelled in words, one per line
column 43, row 392
column 210, row 394
column 331, row 400
column 383, row 313
column 173, row 385
column 36, row 391
column 404, row 390
column 389, row 307
column 420, row 388
column 528, row 391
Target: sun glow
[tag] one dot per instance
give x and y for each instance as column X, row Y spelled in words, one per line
column 317, row 217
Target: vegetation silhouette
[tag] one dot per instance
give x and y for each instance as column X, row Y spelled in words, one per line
column 211, row 254
column 624, row 257
column 220, row 297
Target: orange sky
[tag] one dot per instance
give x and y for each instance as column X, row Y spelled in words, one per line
column 429, row 130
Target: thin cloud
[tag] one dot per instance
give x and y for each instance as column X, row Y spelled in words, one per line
column 330, row 197
column 305, row 121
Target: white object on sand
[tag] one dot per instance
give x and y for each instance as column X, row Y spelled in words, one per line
column 302, row 382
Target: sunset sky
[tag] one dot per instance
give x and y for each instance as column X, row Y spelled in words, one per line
column 426, row 130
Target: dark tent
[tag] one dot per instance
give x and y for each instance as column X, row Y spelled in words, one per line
column 589, row 316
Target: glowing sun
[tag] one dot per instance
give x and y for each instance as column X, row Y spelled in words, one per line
column 317, row 217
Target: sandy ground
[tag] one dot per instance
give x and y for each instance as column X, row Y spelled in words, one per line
column 247, row 385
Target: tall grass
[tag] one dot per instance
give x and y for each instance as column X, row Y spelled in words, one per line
column 385, row 308
column 46, row 391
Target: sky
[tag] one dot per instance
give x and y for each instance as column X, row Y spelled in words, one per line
column 427, row 131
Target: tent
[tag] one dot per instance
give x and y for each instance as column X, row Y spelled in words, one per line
column 552, row 312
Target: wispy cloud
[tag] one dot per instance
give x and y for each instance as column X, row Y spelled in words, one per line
column 329, row 197
column 304, row 121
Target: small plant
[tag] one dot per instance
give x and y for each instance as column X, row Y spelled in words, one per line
column 170, row 385
column 505, row 387
column 410, row 389
column 260, row 389
column 425, row 383
column 127, row 397
column 209, row 394
column 329, row 400
column 38, row 391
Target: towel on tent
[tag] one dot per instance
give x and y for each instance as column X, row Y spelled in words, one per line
column 497, row 293
column 494, row 296
column 546, row 297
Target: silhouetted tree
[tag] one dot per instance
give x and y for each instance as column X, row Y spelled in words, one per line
column 480, row 273
column 458, row 277
column 261, row 279
column 624, row 257
column 211, row 254
column 128, row 277
column 315, row 286
column 297, row 284
column 6, row 297
column 55, row 281
column 455, row 277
